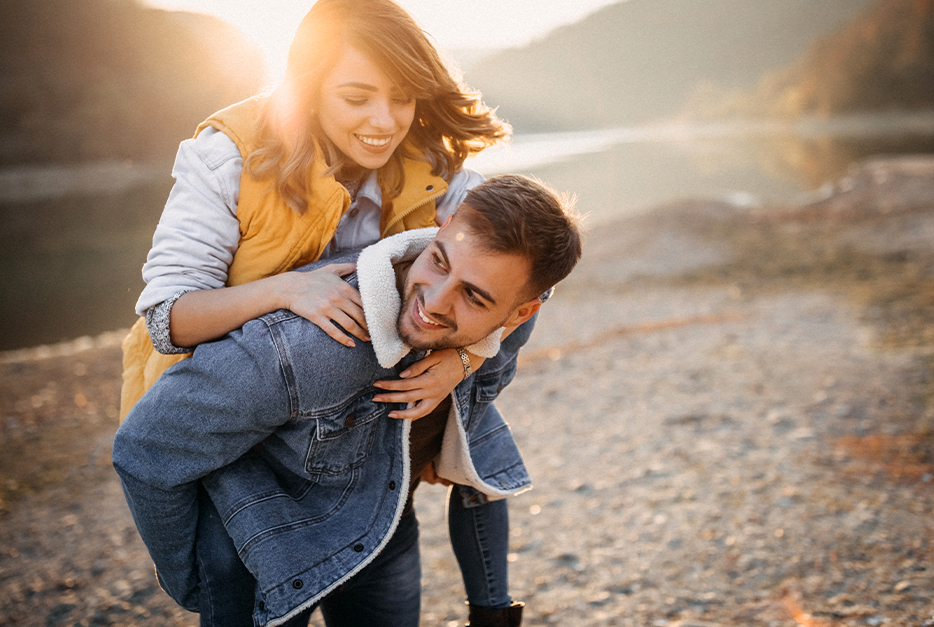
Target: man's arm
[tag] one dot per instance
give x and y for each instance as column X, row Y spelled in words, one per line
column 201, row 415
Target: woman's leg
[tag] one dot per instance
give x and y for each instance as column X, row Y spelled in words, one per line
column 480, row 539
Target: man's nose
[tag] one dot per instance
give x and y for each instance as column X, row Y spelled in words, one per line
column 437, row 298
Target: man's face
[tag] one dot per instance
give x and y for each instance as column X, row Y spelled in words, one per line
column 456, row 292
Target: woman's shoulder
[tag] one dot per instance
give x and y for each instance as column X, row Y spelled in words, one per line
column 215, row 148
column 237, row 122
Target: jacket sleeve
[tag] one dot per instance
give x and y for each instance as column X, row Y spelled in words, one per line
column 202, row 414
column 461, row 183
column 198, row 232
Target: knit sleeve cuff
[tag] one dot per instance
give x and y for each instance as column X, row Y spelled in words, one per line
column 157, row 323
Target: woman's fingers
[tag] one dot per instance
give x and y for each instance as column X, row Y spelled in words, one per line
column 419, row 410
column 420, row 367
column 327, row 300
column 350, row 322
column 406, row 396
column 334, row 332
column 341, row 269
column 398, row 384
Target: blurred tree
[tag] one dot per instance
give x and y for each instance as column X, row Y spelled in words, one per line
column 880, row 61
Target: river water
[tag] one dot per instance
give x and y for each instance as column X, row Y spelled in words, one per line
column 74, row 239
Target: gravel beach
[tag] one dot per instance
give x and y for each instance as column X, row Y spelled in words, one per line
column 728, row 415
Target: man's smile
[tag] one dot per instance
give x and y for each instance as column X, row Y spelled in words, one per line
column 423, row 318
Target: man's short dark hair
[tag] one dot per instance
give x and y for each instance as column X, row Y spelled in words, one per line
column 513, row 214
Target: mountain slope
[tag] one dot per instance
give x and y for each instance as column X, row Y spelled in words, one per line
column 882, row 60
column 95, row 79
column 639, row 60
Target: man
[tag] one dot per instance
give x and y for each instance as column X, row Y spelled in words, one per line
column 278, row 422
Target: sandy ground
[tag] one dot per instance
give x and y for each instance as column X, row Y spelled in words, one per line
column 727, row 415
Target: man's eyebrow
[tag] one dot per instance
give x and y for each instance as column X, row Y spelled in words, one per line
column 477, row 290
column 357, row 85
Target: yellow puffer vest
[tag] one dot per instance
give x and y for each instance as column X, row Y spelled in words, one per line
column 274, row 238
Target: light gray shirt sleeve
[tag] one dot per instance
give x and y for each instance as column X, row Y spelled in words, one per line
column 460, row 184
column 198, row 233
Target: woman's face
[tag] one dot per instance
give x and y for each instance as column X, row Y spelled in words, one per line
column 361, row 111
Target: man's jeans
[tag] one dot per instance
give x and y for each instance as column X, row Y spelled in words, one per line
column 387, row 592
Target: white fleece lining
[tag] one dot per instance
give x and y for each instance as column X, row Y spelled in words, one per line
column 454, row 462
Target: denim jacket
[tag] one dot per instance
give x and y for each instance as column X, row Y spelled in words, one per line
column 308, row 473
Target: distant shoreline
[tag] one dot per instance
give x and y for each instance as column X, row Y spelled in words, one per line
column 45, row 182
column 66, row 348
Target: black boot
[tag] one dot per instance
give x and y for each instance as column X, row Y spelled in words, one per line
column 489, row 617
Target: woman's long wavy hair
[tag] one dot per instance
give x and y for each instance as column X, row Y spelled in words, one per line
column 451, row 123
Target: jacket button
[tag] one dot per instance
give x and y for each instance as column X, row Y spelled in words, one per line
column 429, row 188
column 262, row 606
column 392, row 485
column 350, row 421
column 297, row 584
column 358, row 548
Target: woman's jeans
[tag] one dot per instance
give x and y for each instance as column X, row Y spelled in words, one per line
column 387, row 592
column 480, row 539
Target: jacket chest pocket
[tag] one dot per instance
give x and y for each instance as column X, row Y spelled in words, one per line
column 343, row 437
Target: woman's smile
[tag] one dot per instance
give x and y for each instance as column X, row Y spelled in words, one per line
column 364, row 114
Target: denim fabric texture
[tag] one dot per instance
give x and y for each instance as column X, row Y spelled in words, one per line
column 308, row 473
column 479, row 536
column 386, row 592
column 226, row 587
column 480, row 539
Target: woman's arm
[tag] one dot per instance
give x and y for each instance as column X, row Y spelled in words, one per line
column 194, row 245
column 321, row 296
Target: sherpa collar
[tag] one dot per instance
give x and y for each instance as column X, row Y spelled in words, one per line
column 376, row 278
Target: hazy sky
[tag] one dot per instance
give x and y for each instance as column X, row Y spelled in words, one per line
column 453, row 23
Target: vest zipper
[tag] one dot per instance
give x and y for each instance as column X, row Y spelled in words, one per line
column 420, row 203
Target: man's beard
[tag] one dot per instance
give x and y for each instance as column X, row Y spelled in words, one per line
column 411, row 339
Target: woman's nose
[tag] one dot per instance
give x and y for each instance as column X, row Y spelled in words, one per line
column 381, row 116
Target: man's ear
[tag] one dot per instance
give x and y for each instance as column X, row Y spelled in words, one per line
column 523, row 312
column 447, row 221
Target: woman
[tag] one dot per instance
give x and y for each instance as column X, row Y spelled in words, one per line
column 364, row 138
